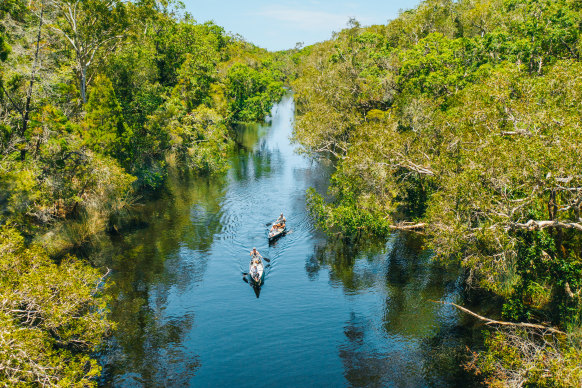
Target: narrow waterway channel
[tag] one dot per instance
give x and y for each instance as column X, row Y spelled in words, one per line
column 329, row 313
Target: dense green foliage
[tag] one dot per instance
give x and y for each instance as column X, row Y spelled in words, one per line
column 51, row 316
column 98, row 100
column 459, row 117
column 462, row 118
column 251, row 92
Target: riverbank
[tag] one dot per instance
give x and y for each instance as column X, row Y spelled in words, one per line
column 445, row 122
column 98, row 101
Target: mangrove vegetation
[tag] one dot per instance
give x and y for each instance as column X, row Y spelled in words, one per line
column 98, row 100
column 462, row 120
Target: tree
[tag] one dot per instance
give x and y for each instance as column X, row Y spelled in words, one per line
column 50, row 316
column 91, row 27
column 251, row 92
column 477, row 145
column 106, row 131
column 24, row 108
column 4, row 48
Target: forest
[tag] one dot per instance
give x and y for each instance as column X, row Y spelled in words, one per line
column 461, row 120
column 458, row 120
column 98, row 101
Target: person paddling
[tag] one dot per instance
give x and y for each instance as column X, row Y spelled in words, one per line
column 255, row 261
column 281, row 219
column 255, row 255
column 277, row 226
column 279, row 223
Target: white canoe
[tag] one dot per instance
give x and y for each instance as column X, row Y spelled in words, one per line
column 256, row 271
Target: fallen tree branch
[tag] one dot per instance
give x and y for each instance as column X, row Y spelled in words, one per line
column 101, row 282
column 537, row 225
column 501, row 323
column 524, row 132
column 408, row 226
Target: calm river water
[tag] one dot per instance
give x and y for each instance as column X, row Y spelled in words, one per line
column 329, row 313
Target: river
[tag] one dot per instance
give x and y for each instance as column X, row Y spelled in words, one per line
column 329, row 313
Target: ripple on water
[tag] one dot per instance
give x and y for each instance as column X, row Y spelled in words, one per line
column 330, row 313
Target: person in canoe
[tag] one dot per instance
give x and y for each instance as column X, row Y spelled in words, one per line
column 279, row 223
column 255, row 255
column 281, row 219
column 254, row 266
column 278, row 226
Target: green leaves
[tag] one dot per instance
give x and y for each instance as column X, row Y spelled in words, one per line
column 4, row 48
column 105, row 130
column 465, row 117
column 50, row 316
column 157, row 90
column 438, row 66
column 251, row 92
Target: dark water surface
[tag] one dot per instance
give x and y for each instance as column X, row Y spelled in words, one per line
column 329, row 314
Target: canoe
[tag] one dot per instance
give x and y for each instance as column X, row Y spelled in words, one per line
column 256, row 272
column 275, row 234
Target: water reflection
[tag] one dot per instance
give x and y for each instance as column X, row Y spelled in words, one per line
column 253, row 160
column 330, row 313
column 354, row 266
column 415, row 342
column 164, row 255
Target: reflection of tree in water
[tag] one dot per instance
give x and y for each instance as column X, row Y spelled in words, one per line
column 340, row 257
column 414, row 342
column 147, row 351
column 253, row 159
column 411, row 280
column 446, row 351
column 434, row 361
column 251, row 166
column 247, row 136
column 167, row 255
column 367, row 365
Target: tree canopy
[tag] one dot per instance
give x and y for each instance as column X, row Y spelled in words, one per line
column 461, row 119
column 99, row 100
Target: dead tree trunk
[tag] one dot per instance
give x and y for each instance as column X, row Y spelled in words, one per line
column 26, row 111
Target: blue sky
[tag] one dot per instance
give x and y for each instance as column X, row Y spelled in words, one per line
column 279, row 25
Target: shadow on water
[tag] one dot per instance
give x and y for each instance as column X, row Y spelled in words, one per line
column 256, row 289
column 148, row 263
column 413, row 342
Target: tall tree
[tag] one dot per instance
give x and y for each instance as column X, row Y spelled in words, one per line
column 104, row 121
column 91, row 27
column 23, row 104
